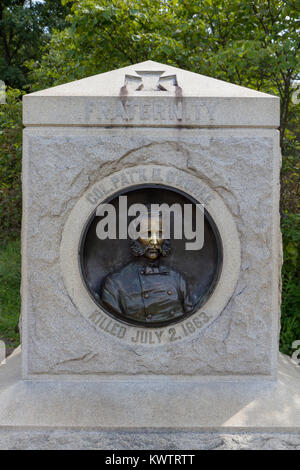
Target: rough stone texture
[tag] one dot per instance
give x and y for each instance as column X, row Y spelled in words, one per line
column 242, row 166
column 147, row 440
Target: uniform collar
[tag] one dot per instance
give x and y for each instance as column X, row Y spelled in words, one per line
column 150, row 267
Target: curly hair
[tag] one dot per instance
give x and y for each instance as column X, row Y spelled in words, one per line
column 137, row 249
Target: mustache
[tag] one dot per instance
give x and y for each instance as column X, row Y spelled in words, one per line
column 157, row 248
column 137, row 249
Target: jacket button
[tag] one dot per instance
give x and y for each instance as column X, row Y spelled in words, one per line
column 169, row 292
column 149, row 316
column 146, row 296
column 172, row 312
column 142, row 272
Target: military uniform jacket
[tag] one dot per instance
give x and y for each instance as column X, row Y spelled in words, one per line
column 146, row 292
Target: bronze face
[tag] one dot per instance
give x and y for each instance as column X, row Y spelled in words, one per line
column 151, row 236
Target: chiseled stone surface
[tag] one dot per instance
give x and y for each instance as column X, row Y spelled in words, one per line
column 146, row 440
column 61, row 164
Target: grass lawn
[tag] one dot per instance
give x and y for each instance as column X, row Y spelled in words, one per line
column 10, row 277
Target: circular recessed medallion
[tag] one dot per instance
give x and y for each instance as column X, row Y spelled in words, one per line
column 138, row 290
column 156, row 291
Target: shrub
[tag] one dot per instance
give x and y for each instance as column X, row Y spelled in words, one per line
column 10, row 165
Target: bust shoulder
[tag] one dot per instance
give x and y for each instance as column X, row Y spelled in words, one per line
column 123, row 273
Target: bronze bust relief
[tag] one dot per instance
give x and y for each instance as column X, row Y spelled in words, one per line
column 152, row 281
column 146, row 290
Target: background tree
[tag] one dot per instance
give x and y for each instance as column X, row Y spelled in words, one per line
column 25, row 26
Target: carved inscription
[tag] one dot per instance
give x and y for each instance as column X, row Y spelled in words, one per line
column 150, row 336
column 150, row 174
column 131, row 110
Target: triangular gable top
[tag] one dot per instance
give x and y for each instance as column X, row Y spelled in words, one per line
column 151, row 78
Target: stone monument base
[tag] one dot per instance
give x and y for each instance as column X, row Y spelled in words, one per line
column 146, row 413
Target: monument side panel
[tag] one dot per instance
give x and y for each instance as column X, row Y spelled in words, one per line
column 240, row 166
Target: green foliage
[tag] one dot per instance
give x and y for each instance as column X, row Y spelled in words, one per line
column 290, row 184
column 290, row 309
column 25, row 27
column 10, row 277
column 10, row 165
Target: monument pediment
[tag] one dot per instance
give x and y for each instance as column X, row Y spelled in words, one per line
column 110, row 83
column 147, row 93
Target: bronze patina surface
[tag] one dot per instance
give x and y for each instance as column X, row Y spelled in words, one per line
column 145, row 282
column 146, row 290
